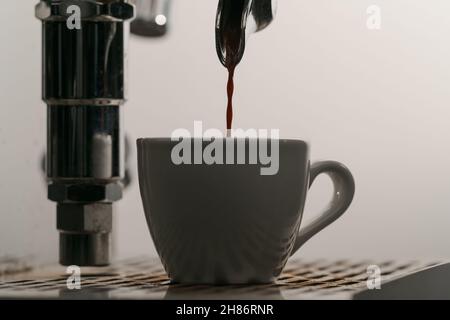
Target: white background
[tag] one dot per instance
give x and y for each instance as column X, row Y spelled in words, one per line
column 379, row 101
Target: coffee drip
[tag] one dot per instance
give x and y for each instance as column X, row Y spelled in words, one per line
column 235, row 21
column 232, row 42
column 230, row 92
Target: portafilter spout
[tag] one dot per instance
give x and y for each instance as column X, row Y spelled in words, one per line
column 238, row 19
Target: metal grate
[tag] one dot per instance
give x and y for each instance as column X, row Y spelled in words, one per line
column 144, row 278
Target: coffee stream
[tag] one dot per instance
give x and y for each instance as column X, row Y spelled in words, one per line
column 232, row 38
column 230, row 92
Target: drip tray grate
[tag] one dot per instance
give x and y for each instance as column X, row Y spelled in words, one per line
column 144, row 278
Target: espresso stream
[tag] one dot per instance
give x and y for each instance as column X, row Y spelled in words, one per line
column 230, row 92
column 232, row 37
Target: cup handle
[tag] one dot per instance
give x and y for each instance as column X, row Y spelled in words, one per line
column 344, row 189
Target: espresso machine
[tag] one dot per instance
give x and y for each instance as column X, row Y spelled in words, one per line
column 84, row 87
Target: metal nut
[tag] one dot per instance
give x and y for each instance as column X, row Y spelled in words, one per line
column 84, row 218
column 83, row 192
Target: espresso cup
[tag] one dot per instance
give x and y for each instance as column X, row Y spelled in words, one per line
column 235, row 221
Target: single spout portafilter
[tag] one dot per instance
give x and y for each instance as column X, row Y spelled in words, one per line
column 240, row 18
column 84, row 89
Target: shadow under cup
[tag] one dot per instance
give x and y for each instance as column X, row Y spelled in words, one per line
column 224, row 223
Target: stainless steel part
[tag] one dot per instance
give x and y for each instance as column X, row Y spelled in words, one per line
column 152, row 18
column 84, row 233
column 84, row 87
